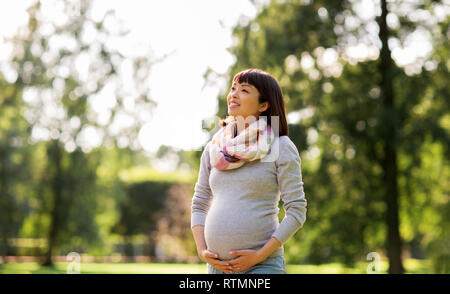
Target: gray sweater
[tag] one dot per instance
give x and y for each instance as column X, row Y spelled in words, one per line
column 239, row 207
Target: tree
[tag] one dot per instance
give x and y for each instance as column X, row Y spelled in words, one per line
column 389, row 159
column 139, row 211
column 63, row 70
column 14, row 165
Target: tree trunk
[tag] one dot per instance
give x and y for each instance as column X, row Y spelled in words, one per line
column 128, row 249
column 4, row 248
column 389, row 163
column 57, row 191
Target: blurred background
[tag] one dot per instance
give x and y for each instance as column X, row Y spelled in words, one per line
column 105, row 107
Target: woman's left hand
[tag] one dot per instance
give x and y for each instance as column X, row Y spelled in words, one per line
column 245, row 259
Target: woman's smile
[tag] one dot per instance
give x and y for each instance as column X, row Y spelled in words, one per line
column 233, row 105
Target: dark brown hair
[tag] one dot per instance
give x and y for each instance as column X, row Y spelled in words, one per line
column 270, row 91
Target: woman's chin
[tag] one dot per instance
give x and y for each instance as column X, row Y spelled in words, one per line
column 233, row 112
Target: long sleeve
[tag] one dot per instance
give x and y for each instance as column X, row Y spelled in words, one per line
column 202, row 191
column 291, row 189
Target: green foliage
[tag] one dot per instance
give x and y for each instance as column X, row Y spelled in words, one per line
column 139, row 211
column 157, row 205
column 344, row 125
column 142, row 173
column 64, row 209
column 15, row 163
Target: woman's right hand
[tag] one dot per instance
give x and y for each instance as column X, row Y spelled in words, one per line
column 212, row 258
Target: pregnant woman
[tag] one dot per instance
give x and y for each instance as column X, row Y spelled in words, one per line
column 247, row 167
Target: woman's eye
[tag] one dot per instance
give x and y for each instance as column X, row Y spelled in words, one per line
column 245, row 91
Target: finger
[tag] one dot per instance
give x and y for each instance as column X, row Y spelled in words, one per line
column 223, row 262
column 225, row 265
column 225, row 269
column 235, row 261
column 220, row 263
column 238, row 252
column 211, row 254
column 237, row 265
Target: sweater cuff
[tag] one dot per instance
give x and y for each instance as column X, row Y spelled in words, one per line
column 197, row 219
column 286, row 229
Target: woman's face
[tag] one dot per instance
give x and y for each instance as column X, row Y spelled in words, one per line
column 243, row 101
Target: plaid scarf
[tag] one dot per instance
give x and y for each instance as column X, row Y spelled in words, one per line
column 228, row 151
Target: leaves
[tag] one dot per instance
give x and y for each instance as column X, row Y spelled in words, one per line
column 344, row 184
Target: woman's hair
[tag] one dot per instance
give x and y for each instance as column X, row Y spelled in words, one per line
column 270, row 91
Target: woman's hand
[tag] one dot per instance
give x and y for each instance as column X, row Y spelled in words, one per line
column 245, row 260
column 212, row 258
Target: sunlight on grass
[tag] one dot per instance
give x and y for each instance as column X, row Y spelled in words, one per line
column 144, row 268
column 413, row 266
column 105, row 268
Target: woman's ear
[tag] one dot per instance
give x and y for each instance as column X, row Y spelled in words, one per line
column 264, row 106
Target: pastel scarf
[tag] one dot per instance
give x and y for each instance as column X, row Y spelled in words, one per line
column 229, row 152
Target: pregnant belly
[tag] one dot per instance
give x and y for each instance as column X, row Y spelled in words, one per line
column 229, row 229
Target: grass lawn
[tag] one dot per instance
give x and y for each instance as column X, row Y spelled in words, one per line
column 413, row 266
